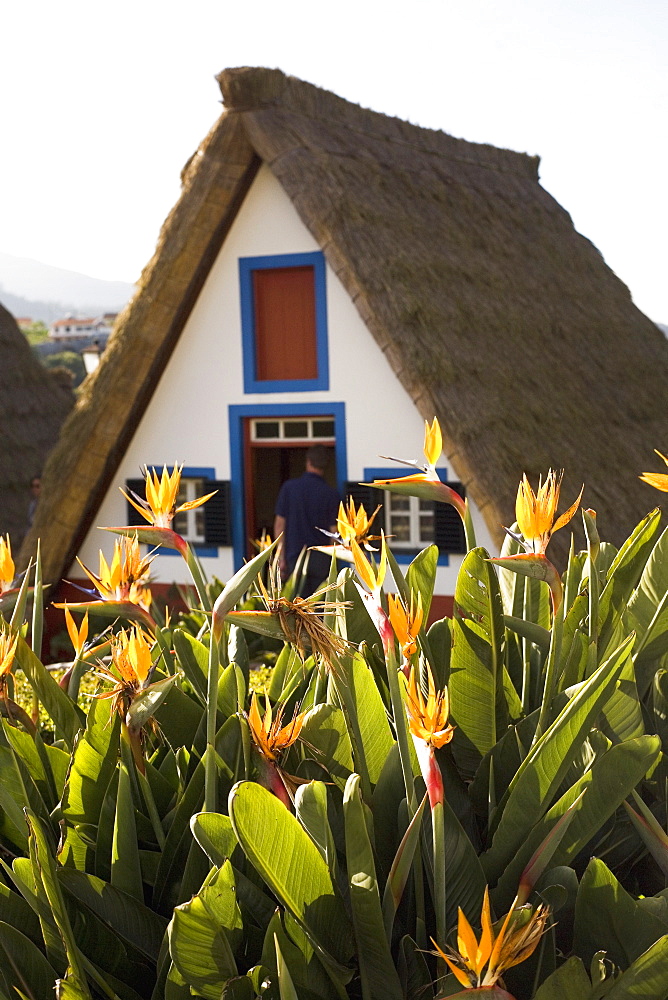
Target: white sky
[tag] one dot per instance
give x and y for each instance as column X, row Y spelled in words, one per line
column 102, row 105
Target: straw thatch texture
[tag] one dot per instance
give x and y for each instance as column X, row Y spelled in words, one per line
column 493, row 312
column 32, row 408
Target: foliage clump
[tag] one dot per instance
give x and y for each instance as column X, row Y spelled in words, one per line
column 408, row 812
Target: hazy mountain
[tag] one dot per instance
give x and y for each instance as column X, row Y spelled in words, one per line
column 29, row 288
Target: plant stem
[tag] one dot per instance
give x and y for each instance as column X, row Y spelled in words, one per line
column 210, row 769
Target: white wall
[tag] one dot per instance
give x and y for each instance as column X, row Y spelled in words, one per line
column 187, row 418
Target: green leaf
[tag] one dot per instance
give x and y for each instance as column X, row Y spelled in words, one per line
column 622, row 715
column 377, row 972
column 67, row 718
column 148, row 701
column 311, row 811
column 200, row 935
column 291, row 865
column 44, row 872
column 24, row 965
column 647, row 611
column 647, row 977
column 127, row 918
column 608, row 918
column 193, row 659
column 125, row 863
column 214, row 834
column 400, row 870
column 285, row 984
column 541, row 772
column 606, row 784
column 624, row 574
column 166, row 892
column 477, row 702
column 421, row 576
column 324, row 736
column 366, row 717
column 235, row 588
column 569, row 982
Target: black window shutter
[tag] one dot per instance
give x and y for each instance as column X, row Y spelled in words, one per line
column 137, row 486
column 218, row 513
column 369, row 497
column 448, row 527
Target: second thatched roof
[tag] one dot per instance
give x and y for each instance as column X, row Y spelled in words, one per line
column 494, row 313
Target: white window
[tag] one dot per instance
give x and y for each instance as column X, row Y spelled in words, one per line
column 409, row 521
column 190, row 523
column 293, row 429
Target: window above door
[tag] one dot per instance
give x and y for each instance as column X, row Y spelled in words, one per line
column 284, row 323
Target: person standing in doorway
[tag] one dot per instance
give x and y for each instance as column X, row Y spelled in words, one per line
column 305, row 505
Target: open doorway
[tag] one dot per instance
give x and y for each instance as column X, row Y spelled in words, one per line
column 276, row 451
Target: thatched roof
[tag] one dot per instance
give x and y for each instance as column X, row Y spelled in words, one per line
column 32, row 408
column 493, row 311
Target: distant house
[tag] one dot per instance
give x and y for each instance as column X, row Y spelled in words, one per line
column 71, row 330
column 331, row 274
column 24, row 322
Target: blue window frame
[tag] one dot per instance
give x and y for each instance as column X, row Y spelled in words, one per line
column 247, row 265
column 404, row 556
column 237, row 415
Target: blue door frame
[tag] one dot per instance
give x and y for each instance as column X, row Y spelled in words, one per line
column 237, row 415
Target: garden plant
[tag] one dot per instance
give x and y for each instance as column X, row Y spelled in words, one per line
column 403, row 813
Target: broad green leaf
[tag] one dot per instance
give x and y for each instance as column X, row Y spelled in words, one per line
column 650, row 832
column 214, row 834
column 647, row 978
column 193, row 659
column 324, row 736
column 541, row 772
column 465, row 879
column 24, row 965
column 413, row 970
column 624, row 574
column 377, row 972
column 569, row 982
column 167, row 890
column 291, row 865
column 608, row 918
column 148, row 701
column 400, row 870
column 125, row 863
column 311, row 811
column 285, row 984
column 16, row 911
column 67, row 718
column 421, row 576
column 44, row 871
column 622, row 715
column 240, row 583
column 199, row 936
column 477, row 702
column 129, row 919
column 647, row 611
column 93, row 763
column 366, row 717
column 605, row 785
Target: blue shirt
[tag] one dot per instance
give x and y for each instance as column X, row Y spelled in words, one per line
column 307, row 504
